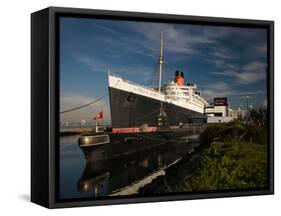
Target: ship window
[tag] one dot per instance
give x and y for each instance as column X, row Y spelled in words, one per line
column 130, row 98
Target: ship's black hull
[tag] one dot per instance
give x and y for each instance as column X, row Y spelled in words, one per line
column 133, row 110
column 121, row 144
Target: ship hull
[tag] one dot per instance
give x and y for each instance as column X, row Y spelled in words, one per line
column 132, row 110
column 121, row 144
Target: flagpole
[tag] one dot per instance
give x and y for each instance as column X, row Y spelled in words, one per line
column 99, row 116
column 96, row 126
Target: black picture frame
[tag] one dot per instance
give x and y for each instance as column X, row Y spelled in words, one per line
column 45, row 104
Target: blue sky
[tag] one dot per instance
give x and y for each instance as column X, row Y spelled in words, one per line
column 224, row 61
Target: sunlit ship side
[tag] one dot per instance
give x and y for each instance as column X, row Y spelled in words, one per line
column 134, row 105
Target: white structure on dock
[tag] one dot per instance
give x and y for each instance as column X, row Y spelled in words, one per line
column 220, row 112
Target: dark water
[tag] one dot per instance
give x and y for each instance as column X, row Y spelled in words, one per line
column 120, row 176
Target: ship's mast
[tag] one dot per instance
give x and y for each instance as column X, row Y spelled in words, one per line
column 160, row 63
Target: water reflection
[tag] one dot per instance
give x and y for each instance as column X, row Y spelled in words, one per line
column 126, row 174
column 120, row 176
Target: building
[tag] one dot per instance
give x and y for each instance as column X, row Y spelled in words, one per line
column 235, row 113
column 220, row 112
column 218, row 108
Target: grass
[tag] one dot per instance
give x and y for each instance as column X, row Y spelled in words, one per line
column 236, row 158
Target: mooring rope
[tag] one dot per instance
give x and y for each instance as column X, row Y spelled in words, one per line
column 88, row 104
column 80, row 107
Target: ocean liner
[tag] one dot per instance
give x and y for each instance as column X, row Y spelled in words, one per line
column 134, row 106
column 144, row 118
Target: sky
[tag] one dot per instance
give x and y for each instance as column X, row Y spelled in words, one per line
column 223, row 61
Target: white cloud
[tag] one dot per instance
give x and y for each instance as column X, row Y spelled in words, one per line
column 220, row 53
column 176, row 39
column 220, row 86
column 249, row 73
column 93, row 63
column 104, row 28
column 222, row 89
column 218, row 89
column 96, row 65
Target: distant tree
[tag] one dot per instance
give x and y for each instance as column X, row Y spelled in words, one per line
column 258, row 116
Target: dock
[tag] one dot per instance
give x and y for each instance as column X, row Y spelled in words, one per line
column 76, row 130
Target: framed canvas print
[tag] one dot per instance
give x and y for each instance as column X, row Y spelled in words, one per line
column 139, row 107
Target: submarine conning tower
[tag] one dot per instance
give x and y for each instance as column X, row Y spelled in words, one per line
column 179, row 78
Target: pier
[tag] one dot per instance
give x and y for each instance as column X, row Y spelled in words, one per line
column 68, row 131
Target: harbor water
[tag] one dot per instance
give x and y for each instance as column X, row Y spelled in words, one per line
column 124, row 175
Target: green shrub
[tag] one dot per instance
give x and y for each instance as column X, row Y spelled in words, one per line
column 236, row 159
